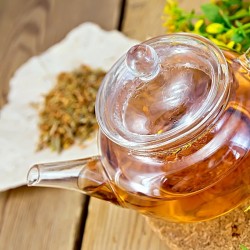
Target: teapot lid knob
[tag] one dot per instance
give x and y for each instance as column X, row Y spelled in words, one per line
column 143, row 62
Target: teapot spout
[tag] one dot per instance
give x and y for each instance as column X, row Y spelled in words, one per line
column 85, row 175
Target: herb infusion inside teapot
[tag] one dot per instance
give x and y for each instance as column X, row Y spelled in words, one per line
column 174, row 133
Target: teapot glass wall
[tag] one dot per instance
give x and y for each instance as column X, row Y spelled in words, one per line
column 174, row 133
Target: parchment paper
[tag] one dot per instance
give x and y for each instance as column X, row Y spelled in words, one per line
column 86, row 44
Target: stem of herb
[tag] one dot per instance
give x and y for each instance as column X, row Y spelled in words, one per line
column 247, row 25
column 234, row 17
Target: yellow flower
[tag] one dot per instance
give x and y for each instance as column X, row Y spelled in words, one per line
column 238, row 49
column 214, row 28
column 217, row 42
column 198, row 25
column 231, row 44
column 223, row 38
column 170, row 4
column 229, row 33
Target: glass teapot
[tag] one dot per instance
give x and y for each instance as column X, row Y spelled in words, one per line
column 174, row 138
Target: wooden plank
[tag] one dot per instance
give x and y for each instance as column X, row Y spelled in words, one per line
column 42, row 218
column 142, row 18
column 107, row 226
column 36, row 218
column 113, row 228
column 28, row 27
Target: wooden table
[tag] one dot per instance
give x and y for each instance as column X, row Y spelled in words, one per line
column 43, row 218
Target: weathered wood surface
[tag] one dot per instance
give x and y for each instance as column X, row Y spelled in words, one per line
column 143, row 18
column 40, row 218
column 107, row 226
column 32, row 218
column 28, row 27
column 113, row 228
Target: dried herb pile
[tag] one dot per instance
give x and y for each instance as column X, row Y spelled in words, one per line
column 68, row 113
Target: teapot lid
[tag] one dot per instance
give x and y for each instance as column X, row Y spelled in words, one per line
column 161, row 90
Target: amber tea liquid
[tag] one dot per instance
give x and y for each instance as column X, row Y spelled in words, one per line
column 202, row 178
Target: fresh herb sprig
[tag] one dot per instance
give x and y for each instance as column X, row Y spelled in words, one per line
column 225, row 22
column 242, row 247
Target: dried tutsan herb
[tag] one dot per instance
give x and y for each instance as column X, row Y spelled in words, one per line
column 68, row 113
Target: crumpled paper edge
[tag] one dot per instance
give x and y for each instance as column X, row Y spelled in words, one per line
column 86, row 44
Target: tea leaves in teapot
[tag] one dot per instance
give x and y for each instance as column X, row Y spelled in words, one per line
column 68, row 113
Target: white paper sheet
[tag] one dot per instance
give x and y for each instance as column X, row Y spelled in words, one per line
column 86, row 44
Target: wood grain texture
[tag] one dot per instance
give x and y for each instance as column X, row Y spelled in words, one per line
column 36, row 218
column 113, row 228
column 42, row 218
column 48, row 218
column 28, row 27
column 142, row 19
column 110, row 227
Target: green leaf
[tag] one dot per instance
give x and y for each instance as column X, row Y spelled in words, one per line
column 237, row 37
column 240, row 14
column 242, row 247
column 230, row 6
column 231, row 18
column 212, row 13
column 238, row 23
column 226, row 19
